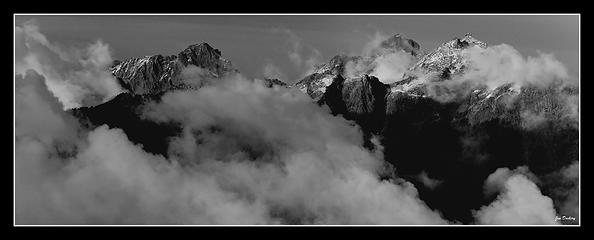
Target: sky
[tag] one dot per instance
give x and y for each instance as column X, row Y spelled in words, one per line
column 291, row 44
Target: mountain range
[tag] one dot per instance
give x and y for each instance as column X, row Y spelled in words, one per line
column 459, row 135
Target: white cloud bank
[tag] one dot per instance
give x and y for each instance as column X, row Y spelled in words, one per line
column 501, row 64
column 249, row 155
column 520, row 202
column 76, row 76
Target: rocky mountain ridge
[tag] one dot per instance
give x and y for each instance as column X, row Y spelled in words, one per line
column 475, row 130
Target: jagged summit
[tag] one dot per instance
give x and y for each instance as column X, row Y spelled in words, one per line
column 315, row 84
column 467, row 41
column 448, row 59
column 204, row 56
column 157, row 73
column 440, row 64
column 473, row 41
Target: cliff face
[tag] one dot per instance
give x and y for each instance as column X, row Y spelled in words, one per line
column 149, row 74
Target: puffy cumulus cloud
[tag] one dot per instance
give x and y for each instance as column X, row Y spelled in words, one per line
column 390, row 67
column 112, row 181
column 274, row 146
column 496, row 181
column 520, row 201
column 501, row 64
column 77, row 76
column 493, row 67
column 38, row 112
column 539, row 87
column 248, row 155
column 64, row 175
column 357, row 67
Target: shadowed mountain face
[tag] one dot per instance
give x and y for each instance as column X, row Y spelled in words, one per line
column 360, row 99
column 460, row 141
column 124, row 112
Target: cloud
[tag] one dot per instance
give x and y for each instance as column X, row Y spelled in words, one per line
column 527, row 79
column 496, row 66
column 112, row 181
column 520, row 202
column 277, row 146
column 500, row 64
column 38, row 112
column 248, row 155
column 496, row 181
column 77, row 76
column 68, row 176
column 388, row 65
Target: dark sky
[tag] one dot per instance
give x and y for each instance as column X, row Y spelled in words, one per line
column 251, row 42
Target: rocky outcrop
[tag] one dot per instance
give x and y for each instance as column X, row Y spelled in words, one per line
column 157, row 73
column 148, row 74
column 357, row 98
column 448, row 59
column 315, row 84
column 206, row 57
column 271, row 82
